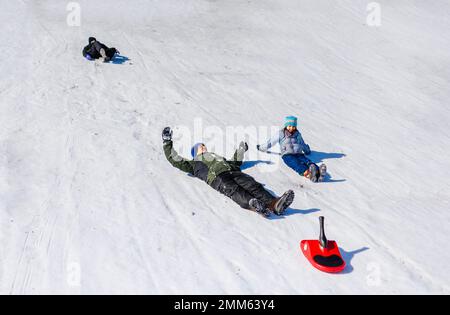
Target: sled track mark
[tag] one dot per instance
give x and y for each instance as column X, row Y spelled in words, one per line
column 190, row 232
column 24, row 246
column 141, row 55
column 138, row 245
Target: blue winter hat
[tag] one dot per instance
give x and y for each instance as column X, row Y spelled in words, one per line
column 194, row 149
column 290, row 121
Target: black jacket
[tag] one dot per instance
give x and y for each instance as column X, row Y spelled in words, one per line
column 94, row 50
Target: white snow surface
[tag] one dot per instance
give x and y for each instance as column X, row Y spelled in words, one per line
column 89, row 204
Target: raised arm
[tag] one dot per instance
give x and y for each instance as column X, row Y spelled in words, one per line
column 266, row 146
column 172, row 155
column 238, row 156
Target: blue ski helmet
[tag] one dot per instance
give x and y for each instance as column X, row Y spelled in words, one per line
column 194, row 149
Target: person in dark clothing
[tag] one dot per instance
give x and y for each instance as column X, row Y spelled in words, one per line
column 226, row 177
column 97, row 50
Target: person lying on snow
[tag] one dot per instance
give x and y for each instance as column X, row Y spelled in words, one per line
column 97, row 50
column 294, row 151
column 227, row 178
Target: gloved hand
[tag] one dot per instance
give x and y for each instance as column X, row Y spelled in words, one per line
column 167, row 134
column 243, row 146
column 258, row 147
column 307, row 150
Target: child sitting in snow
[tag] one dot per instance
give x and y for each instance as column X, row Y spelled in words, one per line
column 97, row 50
column 294, row 151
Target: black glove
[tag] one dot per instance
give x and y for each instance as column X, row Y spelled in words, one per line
column 258, row 147
column 167, row 134
column 243, row 146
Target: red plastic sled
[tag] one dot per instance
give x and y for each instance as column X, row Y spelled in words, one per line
column 323, row 254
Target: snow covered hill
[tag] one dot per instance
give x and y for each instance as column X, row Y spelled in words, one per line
column 89, row 204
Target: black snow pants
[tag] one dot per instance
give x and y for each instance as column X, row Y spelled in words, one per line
column 110, row 52
column 241, row 188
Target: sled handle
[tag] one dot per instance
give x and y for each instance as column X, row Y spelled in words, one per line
column 322, row 238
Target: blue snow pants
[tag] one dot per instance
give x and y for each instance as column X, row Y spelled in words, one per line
column 298, row 162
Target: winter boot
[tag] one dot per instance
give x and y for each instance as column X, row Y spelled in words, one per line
column 259, row 207
column 280, row 205
column 322, row 172
column 313, row 173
